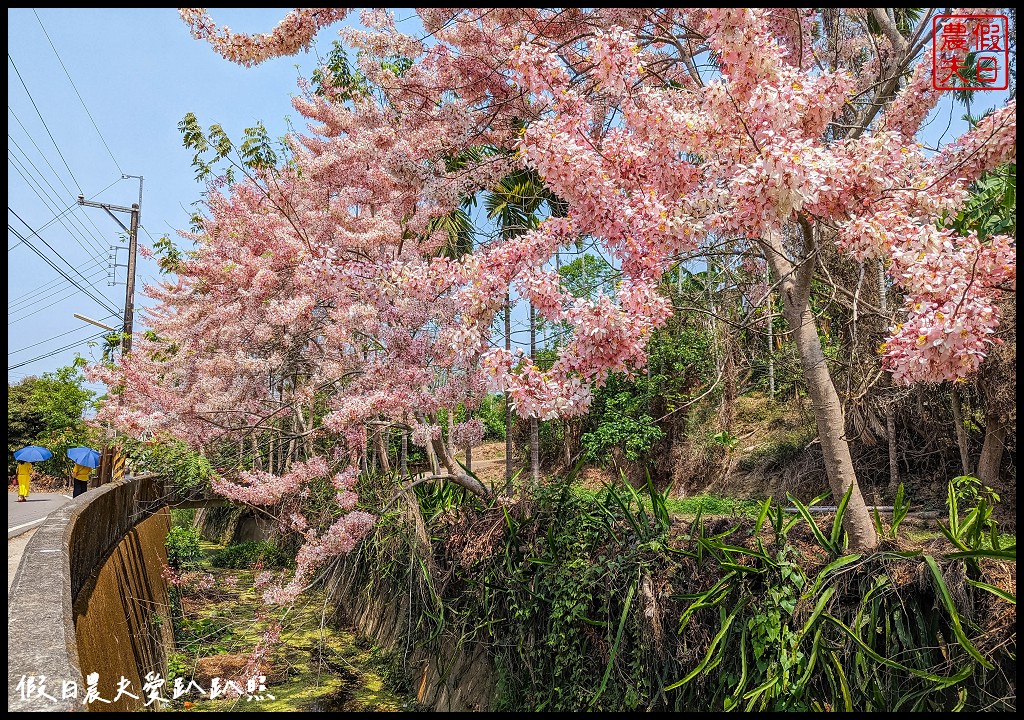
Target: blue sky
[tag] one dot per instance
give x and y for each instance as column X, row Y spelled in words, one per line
column 94, row 94
column 134, row 73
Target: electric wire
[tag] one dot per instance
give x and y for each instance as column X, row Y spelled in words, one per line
column 53, row 198
column 97, row 336
column 39, row 149
column 43, row 342
column 26, row 307
column 102, row 139
column 18, row 73
column 102, row 302
column 45, row 307
column 43, row 240
column 59, row 179
column 46, row 293
column 96, row 249
column 27, row 296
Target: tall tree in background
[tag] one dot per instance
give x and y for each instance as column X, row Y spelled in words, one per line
column 49, row 411
column 516, row 204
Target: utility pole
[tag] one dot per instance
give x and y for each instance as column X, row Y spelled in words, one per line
column 133, row 239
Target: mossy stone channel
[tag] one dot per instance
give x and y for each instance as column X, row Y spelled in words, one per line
column 319, row 664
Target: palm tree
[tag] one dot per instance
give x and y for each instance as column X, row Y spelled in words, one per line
column 516, row 203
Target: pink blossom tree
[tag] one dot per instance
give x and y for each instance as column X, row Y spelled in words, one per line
column 770, row 132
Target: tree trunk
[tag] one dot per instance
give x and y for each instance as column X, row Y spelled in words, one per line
column 302, row 432
column 455, row 473
column 961, row 433
column 771, row 340
column 403, row 460
column 534, row 430
column 451, row 431
column 992, row 451
column 469, row 448
column 435, row 468
column 565, row 445
column 535, row 450
column 257, row 455
column 997, row 383
column 795, row 285
column 890, row 437
column 382, row 449
column 509, row 466
column 290, row 456
column 271, row 464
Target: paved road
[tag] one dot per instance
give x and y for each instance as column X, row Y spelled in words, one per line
column 22, row 517
column 22, row 521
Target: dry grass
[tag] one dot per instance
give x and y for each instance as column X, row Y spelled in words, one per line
column 490, row 450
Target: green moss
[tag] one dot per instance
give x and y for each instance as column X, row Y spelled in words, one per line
column 317, row 666
column 780, row 449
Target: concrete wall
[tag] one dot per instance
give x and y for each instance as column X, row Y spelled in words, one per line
column 229, row 525
column 88, row 598
column 447, row 674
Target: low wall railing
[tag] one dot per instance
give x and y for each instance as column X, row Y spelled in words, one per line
column 65, row 555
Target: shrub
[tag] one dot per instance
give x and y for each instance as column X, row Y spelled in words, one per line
column 246, row 555
column 183, row 548
column 492, row 412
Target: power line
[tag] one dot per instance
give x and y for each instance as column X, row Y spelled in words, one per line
column 74, row 232
column 78, row 184
column 47, row 161
column 101, row 302
column 45, row 292
column 79, row 94
column 45, row 287
column 66, row 277
column 45, row 307
column 52, row 197
column 52, row 249
column 41, row 153
column 43, row 342
column 97, row 336
column 26, row 305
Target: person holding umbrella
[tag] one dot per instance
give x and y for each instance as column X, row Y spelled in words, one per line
column 24, row 480
column 25, row 457
column 85, row 460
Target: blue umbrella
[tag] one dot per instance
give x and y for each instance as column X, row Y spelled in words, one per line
column 85, row 456
column 32, row 453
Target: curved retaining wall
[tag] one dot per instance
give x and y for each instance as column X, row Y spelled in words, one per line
column 88, row 598
column 451, row 675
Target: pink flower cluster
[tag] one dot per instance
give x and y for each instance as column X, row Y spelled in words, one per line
column 262, row 488
column 295, row 32
column 615, row 54
column 468, row 434
column 953, row 282
column 423, row 433
column 338, row 539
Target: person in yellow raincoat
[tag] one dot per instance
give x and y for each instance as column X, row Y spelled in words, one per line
column 81, row 476
column 24, row 480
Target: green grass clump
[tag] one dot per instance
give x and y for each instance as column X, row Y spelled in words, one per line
column 249, row 554
column 713, row 505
